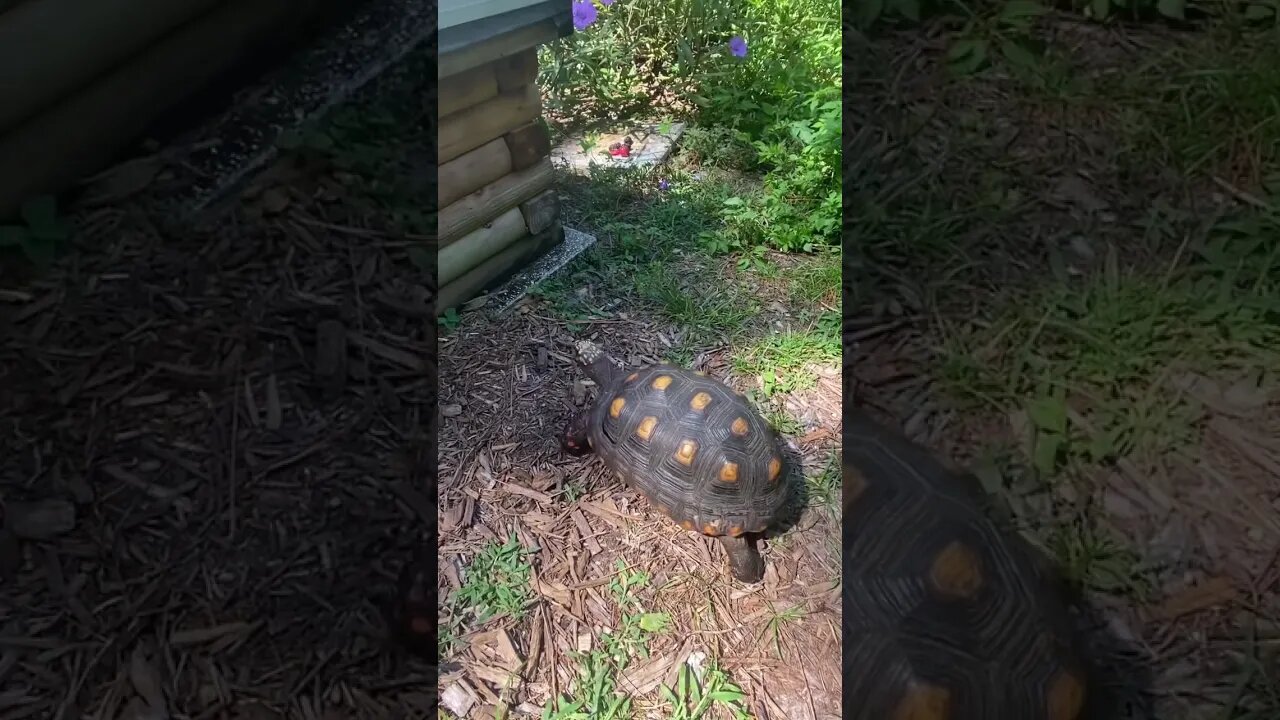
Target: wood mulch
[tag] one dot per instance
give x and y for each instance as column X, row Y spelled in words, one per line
column 508, row 386
column 212, row 440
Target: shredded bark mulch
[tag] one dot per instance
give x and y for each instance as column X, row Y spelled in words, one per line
column 508, row 386
column 213, row 444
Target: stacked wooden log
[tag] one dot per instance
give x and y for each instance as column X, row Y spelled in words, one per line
column 499, row 208
column 80, row 79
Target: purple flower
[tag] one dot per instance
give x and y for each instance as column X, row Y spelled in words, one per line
column 607, row 3
column 663, row 185
column 738, row 46
column 584, row 13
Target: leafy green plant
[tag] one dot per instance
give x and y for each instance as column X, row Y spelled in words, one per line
column 595, row 694
column 691, row 700
column 1007, row 31
column 497, row 581
column 42, row 233
column 775, row 110
column 449, row 319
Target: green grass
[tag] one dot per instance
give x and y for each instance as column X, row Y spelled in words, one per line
column 496, row 583
column 655, row 260
column 596, row 694
column 824, row 488
column 1113, row 349
column 782, row 359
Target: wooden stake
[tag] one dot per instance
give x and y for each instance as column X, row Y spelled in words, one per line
column 484, row 204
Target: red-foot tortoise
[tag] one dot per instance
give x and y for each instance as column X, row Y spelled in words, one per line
column 697, row 450
column 946, row 615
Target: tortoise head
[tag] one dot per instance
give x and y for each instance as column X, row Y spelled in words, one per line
column 598, row 364
column 576, row 438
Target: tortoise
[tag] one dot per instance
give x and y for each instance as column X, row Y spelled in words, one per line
column 696, row 449
column 947, row 616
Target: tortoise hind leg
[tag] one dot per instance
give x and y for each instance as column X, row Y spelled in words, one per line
column 744, row 559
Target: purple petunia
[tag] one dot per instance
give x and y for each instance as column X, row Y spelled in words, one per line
column 738, row 46
column 663, row 185
column 584, row 14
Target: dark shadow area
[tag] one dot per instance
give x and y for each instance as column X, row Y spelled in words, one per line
column 219, row 436
column 1060, row 272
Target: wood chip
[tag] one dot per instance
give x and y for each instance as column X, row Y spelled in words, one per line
column 39, row 520
column 1218, row 590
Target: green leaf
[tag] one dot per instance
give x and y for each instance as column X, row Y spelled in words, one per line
column 1018, row 55
column 1046, row 453
column 967, row 55
column 654, row 622
column 868, row 12
column 40, row 212
column 1015, row 10
column 1176, row 9
column 909, row 9
column 1048, row 414
column 1102, row 446
column 1020, row 14
column 40, row 252
column 13, row 236
column 1101, row 9
column 1259, row 12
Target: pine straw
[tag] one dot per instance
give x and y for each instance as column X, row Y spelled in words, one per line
column 212, row 527
column 510, row 382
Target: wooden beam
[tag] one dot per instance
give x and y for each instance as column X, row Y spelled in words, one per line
column 517, row 70
column 49, row 48
column 497, row 47
column 528, row 144
column 473, row 170
column 78, row 135
column 493, row 199
column 541, row 211
column 465, row 253
column 496, row 268
column 470, row 128
column 466, row 89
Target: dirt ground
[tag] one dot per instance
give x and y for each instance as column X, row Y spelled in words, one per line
column 507, row 389
column 212, row 439
column 1197, row 597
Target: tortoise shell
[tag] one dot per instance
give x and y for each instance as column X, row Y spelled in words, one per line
column 946, row 616
column 697, row 450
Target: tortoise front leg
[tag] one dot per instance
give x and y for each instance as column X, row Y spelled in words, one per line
column 576, row 439
column 744, row 559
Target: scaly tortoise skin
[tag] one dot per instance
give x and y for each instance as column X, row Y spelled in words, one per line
column 693, row 447
column 946, row 616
